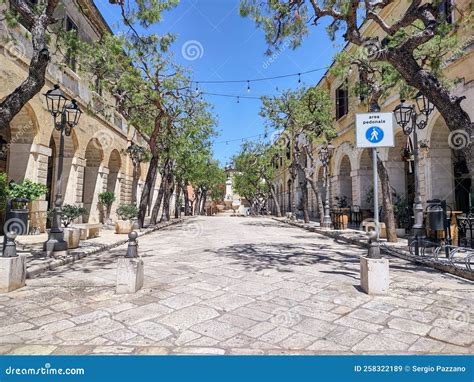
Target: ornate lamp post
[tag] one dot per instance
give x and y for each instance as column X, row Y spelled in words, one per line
column 324, row 156
column 66, row 115
column 137, row 154
column 411, row 121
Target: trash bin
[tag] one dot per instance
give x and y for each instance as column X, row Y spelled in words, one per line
column 435, row 215
column 16, row 217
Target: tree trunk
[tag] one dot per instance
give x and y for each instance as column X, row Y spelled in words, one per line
column 203, row 207
column 275, row 200
column 177, row 207
column 159, row 199
column 165, row 214
column 15, row 101
column 319, row 200
column 197, row 202
column 187, row 205
column 150, row 198
column 448, row 105
column 387, row 205
column 150, row 178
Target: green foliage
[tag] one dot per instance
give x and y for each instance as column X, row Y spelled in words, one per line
column 302, row 111
column 254, row 166
column 70, row 213
column 26, row 190
column 106, row 198
column 400, row 205
column 287, row 21
column 127, row 211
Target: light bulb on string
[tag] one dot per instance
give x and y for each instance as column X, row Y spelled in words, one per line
column 197, row 88
column 299, row 78
column 238, row 99
column 248, row 86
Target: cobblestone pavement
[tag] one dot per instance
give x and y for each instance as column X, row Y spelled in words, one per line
column 230, row 285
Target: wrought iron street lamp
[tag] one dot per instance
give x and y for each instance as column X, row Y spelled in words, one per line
column 66, row 115
column 411, row 121
column 137, row 155
column 324, row 156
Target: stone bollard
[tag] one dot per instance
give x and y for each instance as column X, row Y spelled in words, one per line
column 12, row 266
column 130, row 268
column 374, row 270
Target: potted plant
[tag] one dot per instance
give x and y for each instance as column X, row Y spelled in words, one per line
column 106, row 199
column 25, row 193
column 72, row 235
column 343, row 205
column 126, row 213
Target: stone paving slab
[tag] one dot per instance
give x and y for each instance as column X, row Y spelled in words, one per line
column 399, row 249
column 38, row 262
column 235, row 285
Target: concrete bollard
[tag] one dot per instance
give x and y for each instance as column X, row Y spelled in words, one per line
column 130, row 273
column 12, row 266
column 374, row 270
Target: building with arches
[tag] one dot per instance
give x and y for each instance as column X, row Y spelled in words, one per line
column 443, row 171
column 94, row 157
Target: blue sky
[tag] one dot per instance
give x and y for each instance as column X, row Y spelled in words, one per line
column 230, row 47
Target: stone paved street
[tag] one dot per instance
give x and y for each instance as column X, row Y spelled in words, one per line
column 230, row 285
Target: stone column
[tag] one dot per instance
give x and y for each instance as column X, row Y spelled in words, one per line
column 78, row 165
column 38, row 173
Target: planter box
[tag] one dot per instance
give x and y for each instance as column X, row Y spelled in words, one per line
column 72, row 236
column 124, row 226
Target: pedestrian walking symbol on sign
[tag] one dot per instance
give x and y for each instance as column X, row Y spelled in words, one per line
column 374, row 134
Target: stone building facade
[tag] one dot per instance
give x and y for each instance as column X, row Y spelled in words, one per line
column 443, row 175
column 94, row 159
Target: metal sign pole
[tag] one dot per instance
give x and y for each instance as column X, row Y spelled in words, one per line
column 376, row 192
column 374, row 249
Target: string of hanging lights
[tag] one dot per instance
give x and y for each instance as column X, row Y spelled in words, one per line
column 196, row 84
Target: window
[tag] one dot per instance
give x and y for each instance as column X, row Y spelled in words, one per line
column 342, row 101
column 446, row 10
column 70, row 54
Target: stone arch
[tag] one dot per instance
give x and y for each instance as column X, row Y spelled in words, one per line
column 345, row 179
column 400, row 172
column 18, row 141
column 439, row 164
column 94, row 156
column 365, row 178
column 344, row 149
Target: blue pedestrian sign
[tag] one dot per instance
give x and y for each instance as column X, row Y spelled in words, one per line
column 374, row 130
column 374, row 134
